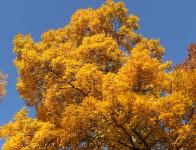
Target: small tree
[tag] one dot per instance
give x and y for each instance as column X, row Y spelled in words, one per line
column 2, row 85
column 97, row 83
column 190, row 62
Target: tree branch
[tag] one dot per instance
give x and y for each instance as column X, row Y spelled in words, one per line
column 125, row 131
column 141, row 139
column 69, row 83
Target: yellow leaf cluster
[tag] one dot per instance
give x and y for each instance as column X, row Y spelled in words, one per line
column 97, row 83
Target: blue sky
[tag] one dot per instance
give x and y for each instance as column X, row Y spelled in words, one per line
column 171, row 21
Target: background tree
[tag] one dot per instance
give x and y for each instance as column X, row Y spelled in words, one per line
column 2, row 85
column 97, row 83
column 190, row 62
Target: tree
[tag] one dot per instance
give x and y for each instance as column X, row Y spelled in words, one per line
column 97, row 83
column 190, row 63
column 2, row 85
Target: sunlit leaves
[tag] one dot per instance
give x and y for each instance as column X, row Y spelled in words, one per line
column 97, row 83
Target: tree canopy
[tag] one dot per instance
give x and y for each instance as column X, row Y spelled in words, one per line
column 97, row 83
column 2, row 85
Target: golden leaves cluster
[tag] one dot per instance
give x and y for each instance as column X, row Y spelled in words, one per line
column 97, row 83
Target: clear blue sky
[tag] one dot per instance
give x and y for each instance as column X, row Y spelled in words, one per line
column 172, row 21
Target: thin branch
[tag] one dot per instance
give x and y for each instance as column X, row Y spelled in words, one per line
column 141, row 139
column 125, row 131
column 69, row 83
column 124, row 144
column 76, row 88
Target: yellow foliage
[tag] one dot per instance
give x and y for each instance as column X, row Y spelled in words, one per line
column 2, row 85
column 97, row 83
